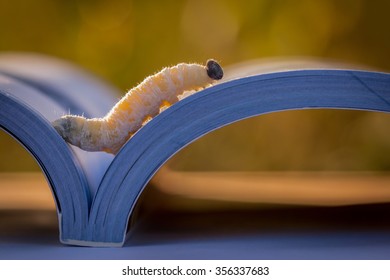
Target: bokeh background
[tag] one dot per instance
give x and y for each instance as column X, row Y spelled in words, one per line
column 123, row 41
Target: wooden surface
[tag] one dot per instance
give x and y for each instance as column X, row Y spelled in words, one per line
column 29, row 230
column 31, row 191
column 293, row 188
column 25, row 191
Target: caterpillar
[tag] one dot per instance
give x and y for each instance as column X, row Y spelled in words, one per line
column 138, row 106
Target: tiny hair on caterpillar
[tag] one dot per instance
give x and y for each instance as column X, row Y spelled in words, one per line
column 138, row 106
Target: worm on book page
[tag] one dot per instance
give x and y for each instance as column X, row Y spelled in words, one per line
column 138, row 106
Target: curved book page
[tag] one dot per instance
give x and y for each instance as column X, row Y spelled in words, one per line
column 35, row 90
column 211, row 109
column 34, row 132
column 75, row 90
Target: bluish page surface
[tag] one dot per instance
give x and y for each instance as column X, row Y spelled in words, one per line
column 216, row 107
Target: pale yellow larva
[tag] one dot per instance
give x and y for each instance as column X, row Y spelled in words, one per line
column 138, row 106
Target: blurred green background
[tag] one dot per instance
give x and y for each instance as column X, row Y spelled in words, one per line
column 123, row 41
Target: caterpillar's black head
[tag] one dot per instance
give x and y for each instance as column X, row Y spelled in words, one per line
column 214, row 70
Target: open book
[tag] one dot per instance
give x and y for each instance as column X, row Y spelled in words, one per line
column 95, row 192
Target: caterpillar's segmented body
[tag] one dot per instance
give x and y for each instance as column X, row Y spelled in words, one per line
column 138, row 106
